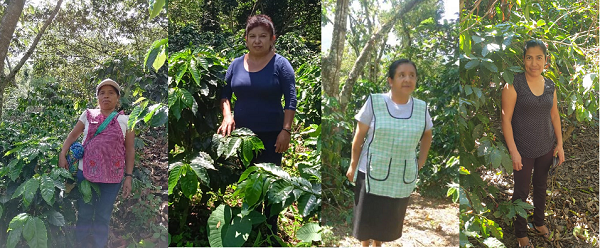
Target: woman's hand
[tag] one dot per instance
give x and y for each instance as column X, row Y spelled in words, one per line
column 62, row 161
column 516, row 160
column 558, row 150
column 283, row 141
column 227, row 126
column 350, row 174
column 127, row 187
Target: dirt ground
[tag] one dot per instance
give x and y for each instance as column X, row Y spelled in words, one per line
column 429, row 222
column 572, row 196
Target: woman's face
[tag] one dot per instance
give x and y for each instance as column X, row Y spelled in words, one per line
column 405, row 79
column 535, row 61
column 108, row 97
column 259, row 40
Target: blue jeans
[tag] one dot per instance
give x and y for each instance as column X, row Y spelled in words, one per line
column 93, row 218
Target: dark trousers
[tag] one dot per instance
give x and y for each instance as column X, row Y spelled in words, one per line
column 269, row 156
column 522, row 179
column 93, row 218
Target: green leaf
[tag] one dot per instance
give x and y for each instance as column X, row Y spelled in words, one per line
column 247, row 154
column 246, row 173
column 160, row 59
column 244, row 131
column 29, row 191
column 186, row 97
column 181, row 70
column 55, row 218
column 35, row 233
column 239, row 231
column 174, row 175
column 256, row 217
column 279, row 191
column 490, row 66
column 508, row 77
column 254, row 189
column 232, row 146
column 155, row 7
column 47, row 189
column 194, row 71
column 309, row 232
column 85, row 188
column 217, row 225
column 189, row 182
column 160, row 117
column 496, row 158
column 472, row 64
column 276, row 171
column 306, row 204
column 15, row 228
column 465, row 43
column 154, row 50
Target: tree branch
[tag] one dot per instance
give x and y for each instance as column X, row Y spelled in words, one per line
column 9, row 21
column 25, row 57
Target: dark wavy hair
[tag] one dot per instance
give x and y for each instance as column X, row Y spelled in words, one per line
column 535, row 43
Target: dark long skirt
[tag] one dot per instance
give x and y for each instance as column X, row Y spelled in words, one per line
column 377, row 217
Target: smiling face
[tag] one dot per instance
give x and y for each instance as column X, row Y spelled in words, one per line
column 535, row 61
column 259, row 40
column 405, row 79
column 108, row 97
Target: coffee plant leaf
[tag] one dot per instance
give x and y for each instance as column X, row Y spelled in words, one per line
column 29, row 191
column 35, row 233
column 256, row 218
column 175, row 172
column 279, row 191
column 202, row 160
column 254, row 189
column 242, row 132
column 274, row 170
column 217, row 225
column 307, row 204
column 15, row 228
column 47, row 189
column 85, row 187
column 232, row 146
column 247, row 154
column 189, row 182
column 246, row 173
column 55, row 218
column 238, row 232
column 309, row 232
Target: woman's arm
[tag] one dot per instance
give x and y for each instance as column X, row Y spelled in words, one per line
column 357, row 144
column 129, row 160
column 228, row 124
column 73, row 135
column 425, row 145
column 555, row 116
column 509, row 99
column 284, row 137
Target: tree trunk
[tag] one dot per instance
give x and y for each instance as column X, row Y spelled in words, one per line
column 333, row 61
column 360, row 62
column 7, row 28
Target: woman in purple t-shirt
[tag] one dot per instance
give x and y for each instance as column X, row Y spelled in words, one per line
column 531, row 126
column 259, row 79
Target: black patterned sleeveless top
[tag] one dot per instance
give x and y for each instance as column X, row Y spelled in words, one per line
column 531, row 122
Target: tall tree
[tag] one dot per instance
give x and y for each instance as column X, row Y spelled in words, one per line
column 333, row 61
column 7, row 28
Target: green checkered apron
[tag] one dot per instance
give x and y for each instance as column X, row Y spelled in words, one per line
column 392, row 167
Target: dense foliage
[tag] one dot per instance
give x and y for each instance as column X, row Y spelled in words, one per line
column 491, row 41
column 215, row 193
column 37, row 198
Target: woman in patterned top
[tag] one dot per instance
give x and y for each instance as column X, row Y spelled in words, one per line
column 531, row 127
column 393, row 123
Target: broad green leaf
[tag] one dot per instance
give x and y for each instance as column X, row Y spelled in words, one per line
column 239, row 231
column 35, row 232
column 232, row 146
column 242, row 132
column 181, row 70
column 85, row 188
column 154, row 50
column 247, row 154
column 309, row 232
column 254, row 189
column 465, row 43
column 160, row 117
column 47, row 189
column 496, row 158
column 189, row 182
column 276, row 171
column 472, row 64
column 256, row 217
column 31, row 187
column 151, row 110
column 55, row 218
column 247, row 172
column 257, row 144
column 174, row 175
column 202, row 61
column 155, row 7
column 508, row 77
column 186, row 97
column 306, row 204
column 160, row 59
column 490, row 66
column 194, row 71
column 15, row 228
column 279, row 191
column 217, row 225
